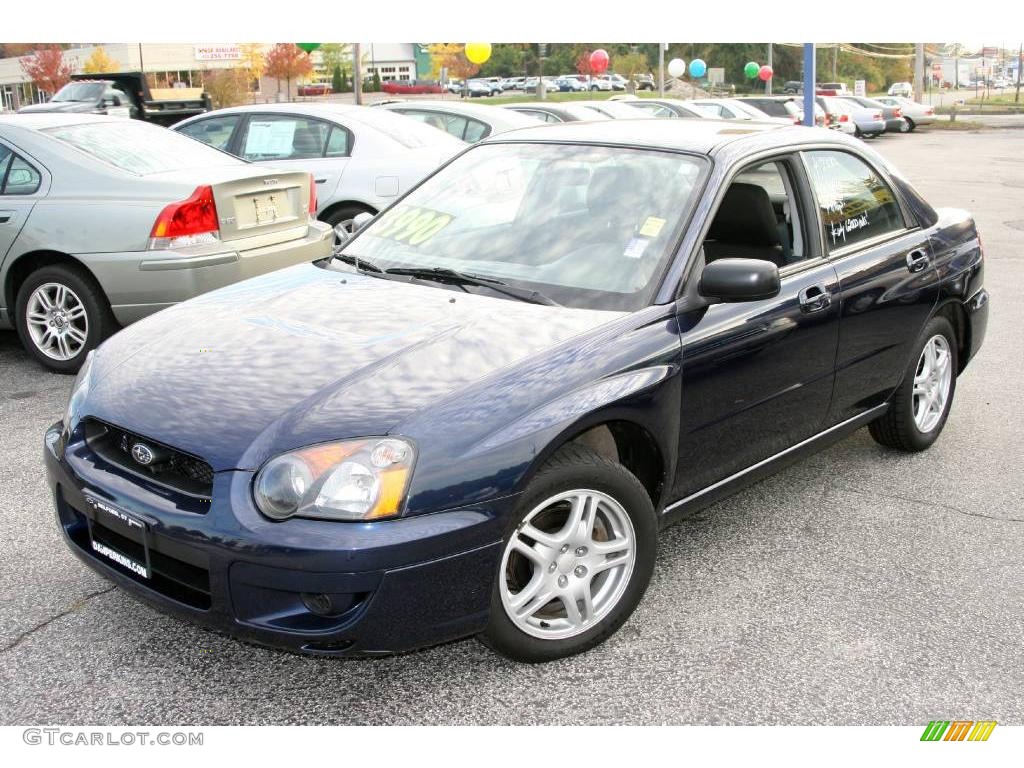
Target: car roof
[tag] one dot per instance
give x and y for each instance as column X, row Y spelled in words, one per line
column 488, row 114
column 697, row 136
column 38, row 121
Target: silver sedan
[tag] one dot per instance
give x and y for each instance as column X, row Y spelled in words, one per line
column 104, row 221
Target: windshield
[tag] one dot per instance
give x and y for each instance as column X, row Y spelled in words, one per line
column 590, row 227
column 140, row 148
column 80, row 92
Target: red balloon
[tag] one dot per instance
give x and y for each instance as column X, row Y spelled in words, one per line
column 765, row 73
column 599, row 60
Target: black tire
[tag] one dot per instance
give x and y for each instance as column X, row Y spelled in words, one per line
column 343, row 215
column 577, row 467
column 100, row 320
column 594, row 88
column 897, row 428
column 911, row 125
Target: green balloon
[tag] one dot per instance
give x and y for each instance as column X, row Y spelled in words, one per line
column 751, row 70
column 308, row 47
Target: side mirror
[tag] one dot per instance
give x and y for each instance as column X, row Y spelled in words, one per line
column 733, row 280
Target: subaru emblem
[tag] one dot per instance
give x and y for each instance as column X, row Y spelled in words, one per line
column 142, row 454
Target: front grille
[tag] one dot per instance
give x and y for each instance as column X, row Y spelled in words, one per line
column 170, row 467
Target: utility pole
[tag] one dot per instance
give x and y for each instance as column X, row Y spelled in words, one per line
column 919, row 73
column 542, row 51
column 357, row 72
column 835, row 62
column 768, row 82
column 661, row 69
column 1020, row 58
column 810, row 78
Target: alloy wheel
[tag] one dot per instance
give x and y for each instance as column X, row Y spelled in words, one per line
column 57, row 321
column 567, row 564
column 932, row 383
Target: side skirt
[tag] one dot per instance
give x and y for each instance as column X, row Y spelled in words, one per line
column 730, row 485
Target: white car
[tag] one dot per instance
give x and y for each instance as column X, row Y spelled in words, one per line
column 361, row 158
column 901, row 89
column 734, row 109
column 610, row 82
column 914, row 114
column 843, row 110
column 468, row 122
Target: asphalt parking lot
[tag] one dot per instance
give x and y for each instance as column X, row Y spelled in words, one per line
column 860, row 586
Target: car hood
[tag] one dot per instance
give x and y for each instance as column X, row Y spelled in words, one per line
column 60, row 106
column 306, row 355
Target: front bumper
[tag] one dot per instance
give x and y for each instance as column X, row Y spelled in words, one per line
column 139, row 283
column 391, row 586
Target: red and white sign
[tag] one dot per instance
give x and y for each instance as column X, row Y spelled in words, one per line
column 218, row 53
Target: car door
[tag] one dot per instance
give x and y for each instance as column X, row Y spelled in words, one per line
column 298, row 143
column 21, row 186
column 757, row 376
column 888, row 284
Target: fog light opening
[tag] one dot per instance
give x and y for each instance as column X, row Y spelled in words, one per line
column 325, row 605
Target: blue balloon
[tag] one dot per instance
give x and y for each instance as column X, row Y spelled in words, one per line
column 698, row 68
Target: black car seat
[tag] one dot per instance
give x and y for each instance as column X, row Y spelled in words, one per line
column 306, row 142
column 745, row 227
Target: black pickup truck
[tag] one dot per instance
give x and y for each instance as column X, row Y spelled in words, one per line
column 122, row 93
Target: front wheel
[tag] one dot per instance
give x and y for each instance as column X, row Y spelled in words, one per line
column 342, row 220
column 577, row 559
column 911, row 125
column 920, row 405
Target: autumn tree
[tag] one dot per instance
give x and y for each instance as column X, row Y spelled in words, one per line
column 100, row 62
column 583, row 65
column 253, row 61
column 451, row 56
column 286, row 61
column 47, row 69
column 227, row 87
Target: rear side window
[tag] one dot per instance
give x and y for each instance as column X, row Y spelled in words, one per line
column 17, row 176
column 215, row 131
column 137, row 147
column 284, row 137
column 855, row 202
column 339, row 144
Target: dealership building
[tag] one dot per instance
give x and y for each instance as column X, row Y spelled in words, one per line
column 181, row 65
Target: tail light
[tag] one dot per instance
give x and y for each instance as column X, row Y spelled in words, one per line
column 877, row 116
column 844, row 118
column 929, row 111
column 899, row 112
column 190, row 222
column 312, row 197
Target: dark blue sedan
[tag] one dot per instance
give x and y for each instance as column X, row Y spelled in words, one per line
column 476, row 416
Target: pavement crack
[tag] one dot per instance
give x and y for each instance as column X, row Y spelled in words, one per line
column 75, row 606
column 929, row 502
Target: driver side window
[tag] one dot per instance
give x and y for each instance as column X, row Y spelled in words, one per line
column 759, row 218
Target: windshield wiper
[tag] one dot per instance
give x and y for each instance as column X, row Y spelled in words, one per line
column 444, row 275
column 363, row 265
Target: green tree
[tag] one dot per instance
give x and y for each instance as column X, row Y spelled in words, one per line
column 337, row 79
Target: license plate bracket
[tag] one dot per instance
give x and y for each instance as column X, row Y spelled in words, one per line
column 266, row 209
column 113, row 530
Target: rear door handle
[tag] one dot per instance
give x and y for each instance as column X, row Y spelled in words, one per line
column 814, row 298
column 917, row 260
column 6, row 216
column 322, row 181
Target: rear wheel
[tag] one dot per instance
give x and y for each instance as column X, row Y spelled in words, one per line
column 920, row 405
column 576, row 561
column 911, row 125
column 62, row 314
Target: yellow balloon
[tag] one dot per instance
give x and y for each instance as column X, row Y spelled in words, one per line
column 478, row 53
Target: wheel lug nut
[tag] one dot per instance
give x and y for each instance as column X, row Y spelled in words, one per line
column 563, row 580
column 581, row 551
column 551, row 568
column 580, row 571
column 565, row 548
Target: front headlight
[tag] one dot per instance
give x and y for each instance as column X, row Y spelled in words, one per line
column 363, row 479
column 79, row 390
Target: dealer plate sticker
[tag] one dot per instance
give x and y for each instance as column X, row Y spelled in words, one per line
column 122, row 560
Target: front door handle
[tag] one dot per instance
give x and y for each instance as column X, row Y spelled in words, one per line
column 814, row 298
column 917, row 260
column 6, row 216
